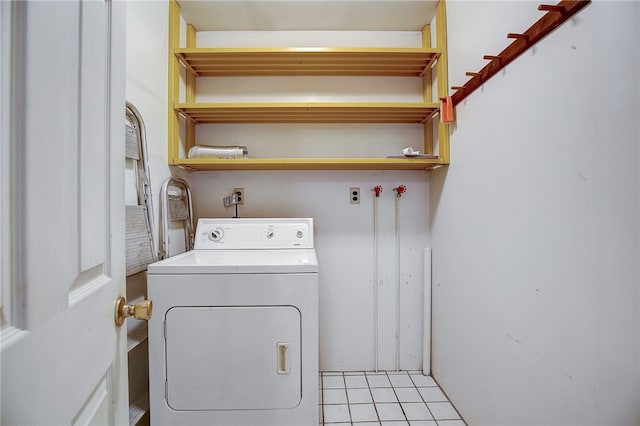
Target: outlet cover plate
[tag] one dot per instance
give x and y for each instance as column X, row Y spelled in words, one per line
column 240, row 193
column 354, row 195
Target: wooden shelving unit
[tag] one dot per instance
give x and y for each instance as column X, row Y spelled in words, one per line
column 325, row 61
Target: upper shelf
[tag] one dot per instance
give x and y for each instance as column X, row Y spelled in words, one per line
column 380, row 62
column 323, row 112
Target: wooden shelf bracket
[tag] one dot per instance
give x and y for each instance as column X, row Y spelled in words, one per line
column 555, row 16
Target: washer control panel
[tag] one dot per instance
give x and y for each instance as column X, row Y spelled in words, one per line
column 231, row 234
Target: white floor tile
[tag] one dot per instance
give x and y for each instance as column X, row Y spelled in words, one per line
column 336, row 413
column 401, row 381
column 378, row 381
column 422, row 381
column 433, row 394
column 334, row 396
column 443, row 411
column 416, row 411
column 359, row 396
column 347, row 398
column 384, row 395
column 356, row 382
column 390, row 411
column 333, row 382
column 363, row 413
column 408, row 395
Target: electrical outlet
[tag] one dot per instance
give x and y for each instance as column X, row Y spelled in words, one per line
column 240, row 194
column 354, row 195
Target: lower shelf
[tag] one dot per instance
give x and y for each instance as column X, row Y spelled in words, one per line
column 196, row 164
column 138, row 408
column 137, row 335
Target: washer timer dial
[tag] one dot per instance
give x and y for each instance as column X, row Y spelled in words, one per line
column 216, row 235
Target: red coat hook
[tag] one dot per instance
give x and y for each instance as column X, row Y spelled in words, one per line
column 377, row 189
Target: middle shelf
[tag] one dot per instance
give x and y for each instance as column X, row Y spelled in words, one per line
column 322, row 112
column 307, row 61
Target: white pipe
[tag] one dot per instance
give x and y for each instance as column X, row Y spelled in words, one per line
column 426, row 342
column 375, row 283
column 397, row 282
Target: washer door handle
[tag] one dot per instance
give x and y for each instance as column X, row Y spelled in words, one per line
column 284, row 365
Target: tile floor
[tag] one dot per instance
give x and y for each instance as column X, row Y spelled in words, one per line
column 405, row 398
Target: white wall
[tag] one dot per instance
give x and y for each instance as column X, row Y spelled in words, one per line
column 147, row 90
column 535, row 225
column 344, row 243
column 147, row 84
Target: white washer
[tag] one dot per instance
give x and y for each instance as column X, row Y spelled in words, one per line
column 233, row 339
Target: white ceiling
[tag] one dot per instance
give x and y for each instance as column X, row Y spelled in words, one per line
column 300, row 15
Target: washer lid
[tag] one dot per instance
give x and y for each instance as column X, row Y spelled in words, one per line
column 281, row 261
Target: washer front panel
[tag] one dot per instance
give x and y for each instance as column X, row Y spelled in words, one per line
column 233, row 357
column 191, row 304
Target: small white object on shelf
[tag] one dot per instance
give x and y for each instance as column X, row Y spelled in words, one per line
column 409, row 152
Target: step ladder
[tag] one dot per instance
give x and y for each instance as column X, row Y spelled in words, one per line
column 140, row 251
column 176, row 206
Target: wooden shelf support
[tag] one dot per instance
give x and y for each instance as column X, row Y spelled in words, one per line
column 492, row 58
column 518, row 36
column 552, row 8
column 555, row 16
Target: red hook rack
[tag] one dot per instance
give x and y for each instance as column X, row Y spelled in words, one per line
column 556, row 15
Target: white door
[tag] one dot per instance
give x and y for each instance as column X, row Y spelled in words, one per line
column 63, row 359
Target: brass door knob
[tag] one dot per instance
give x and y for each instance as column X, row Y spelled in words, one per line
column 141, row 310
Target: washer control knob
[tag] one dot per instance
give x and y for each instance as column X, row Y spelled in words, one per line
column 216, row 234
column 299, row 234
column 270, row 234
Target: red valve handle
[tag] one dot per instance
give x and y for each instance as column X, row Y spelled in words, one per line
column 377, row 189
column 400, row 190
